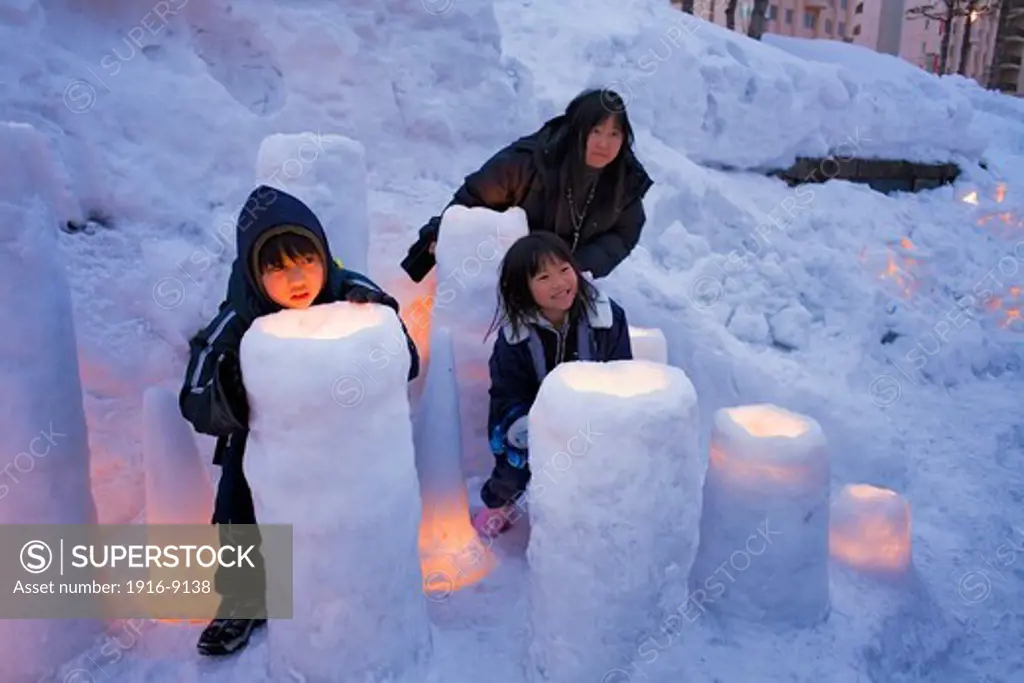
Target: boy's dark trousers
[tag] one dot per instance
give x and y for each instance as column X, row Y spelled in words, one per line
column 507, row 483
column 241, row 588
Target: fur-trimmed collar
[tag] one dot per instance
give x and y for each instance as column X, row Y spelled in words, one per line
column 600, row 318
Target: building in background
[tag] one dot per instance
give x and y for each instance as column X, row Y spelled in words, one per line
column 1007, row 70
column 881, row 25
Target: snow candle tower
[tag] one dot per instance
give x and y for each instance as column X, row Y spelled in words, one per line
column 764, row 529
column 614, row 507
column 469, row 250
column 313, row 166
column 330, row 451
column 178, row 490
column 648, row 344
column 869, row 530
column 451, row 554
column 44, row 448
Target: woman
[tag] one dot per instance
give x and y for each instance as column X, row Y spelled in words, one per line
column 576, row 177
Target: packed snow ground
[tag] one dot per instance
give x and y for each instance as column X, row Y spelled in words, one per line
column 765, row 293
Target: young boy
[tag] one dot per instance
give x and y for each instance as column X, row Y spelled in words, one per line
column 283, row 261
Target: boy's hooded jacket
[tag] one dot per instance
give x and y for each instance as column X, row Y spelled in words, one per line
column 205, row 401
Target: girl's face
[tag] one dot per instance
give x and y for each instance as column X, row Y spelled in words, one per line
column 604, row 143
column 554, row 287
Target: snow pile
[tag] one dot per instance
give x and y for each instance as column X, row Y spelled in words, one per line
column 615, row 491
column 330, row 451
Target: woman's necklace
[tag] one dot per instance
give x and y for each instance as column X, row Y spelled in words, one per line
column 577, row 218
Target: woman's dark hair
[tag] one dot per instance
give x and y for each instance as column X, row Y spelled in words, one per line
column 291, row 244
column 522, row 261
column 588, row 110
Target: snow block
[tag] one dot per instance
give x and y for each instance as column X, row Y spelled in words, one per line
column 452, row 555
column 614, row 506
column 328, row 173
column 869, row 530
column 330, row 451
column 764, row 529
column 44, row 448
column 648, row 344
column 470, row 247
column 178, row 488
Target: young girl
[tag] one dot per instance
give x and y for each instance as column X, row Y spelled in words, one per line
column 548, row 313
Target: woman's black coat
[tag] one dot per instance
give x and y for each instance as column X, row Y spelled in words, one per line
column 525, row 174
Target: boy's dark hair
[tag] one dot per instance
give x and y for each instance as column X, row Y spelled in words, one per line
column 522, row 261
column 588, row 110
column 293, row 244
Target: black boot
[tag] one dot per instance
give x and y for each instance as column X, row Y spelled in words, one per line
column 227, row 636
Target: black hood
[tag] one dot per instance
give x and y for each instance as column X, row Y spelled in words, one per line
column 265, row 209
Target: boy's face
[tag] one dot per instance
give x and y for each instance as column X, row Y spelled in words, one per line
column 296, row 283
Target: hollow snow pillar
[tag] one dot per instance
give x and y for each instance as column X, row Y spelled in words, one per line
column 764, row 529
column 869, row 530
column 452, row 555
column 44, row 448
column 648, row 343
column 327, row 172
column 614, row 504
column 330, row 451
column 471, row 244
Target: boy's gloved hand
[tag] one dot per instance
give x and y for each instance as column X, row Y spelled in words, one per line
column 359, row 294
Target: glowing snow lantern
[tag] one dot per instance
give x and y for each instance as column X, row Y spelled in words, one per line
column 870, row 529
column 330, row 451
column 178, row 489
column 613, row 505
column 451, row 554
column 764, row 529
column 648, row 344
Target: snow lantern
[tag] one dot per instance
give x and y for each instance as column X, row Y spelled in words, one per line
column 869, row 529
column 614, row 506
column 330, row 451
column 313, row 166
column 648, row 344
column 451, row 553
column 764, row 529
column 471, row 244
column 178, row 488
column 44, row 443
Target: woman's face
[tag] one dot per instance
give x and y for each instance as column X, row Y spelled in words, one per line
column 604, row 143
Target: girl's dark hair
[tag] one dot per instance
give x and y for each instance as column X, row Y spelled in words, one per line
column 588, row 110
column 522, row 261
column 290, row 244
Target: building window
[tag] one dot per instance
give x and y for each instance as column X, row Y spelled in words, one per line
column 773, row 13
column 808, row 20
column 842, row 4
column 828, row 26
column 859, row 9
column 842, row 29
column 789, row 16
column 856, row 30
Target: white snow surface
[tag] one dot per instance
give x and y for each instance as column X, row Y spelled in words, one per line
column 765, row 293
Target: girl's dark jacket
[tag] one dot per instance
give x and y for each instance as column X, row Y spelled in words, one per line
column 525, row 174
column 519, row 362
column 207, row 399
